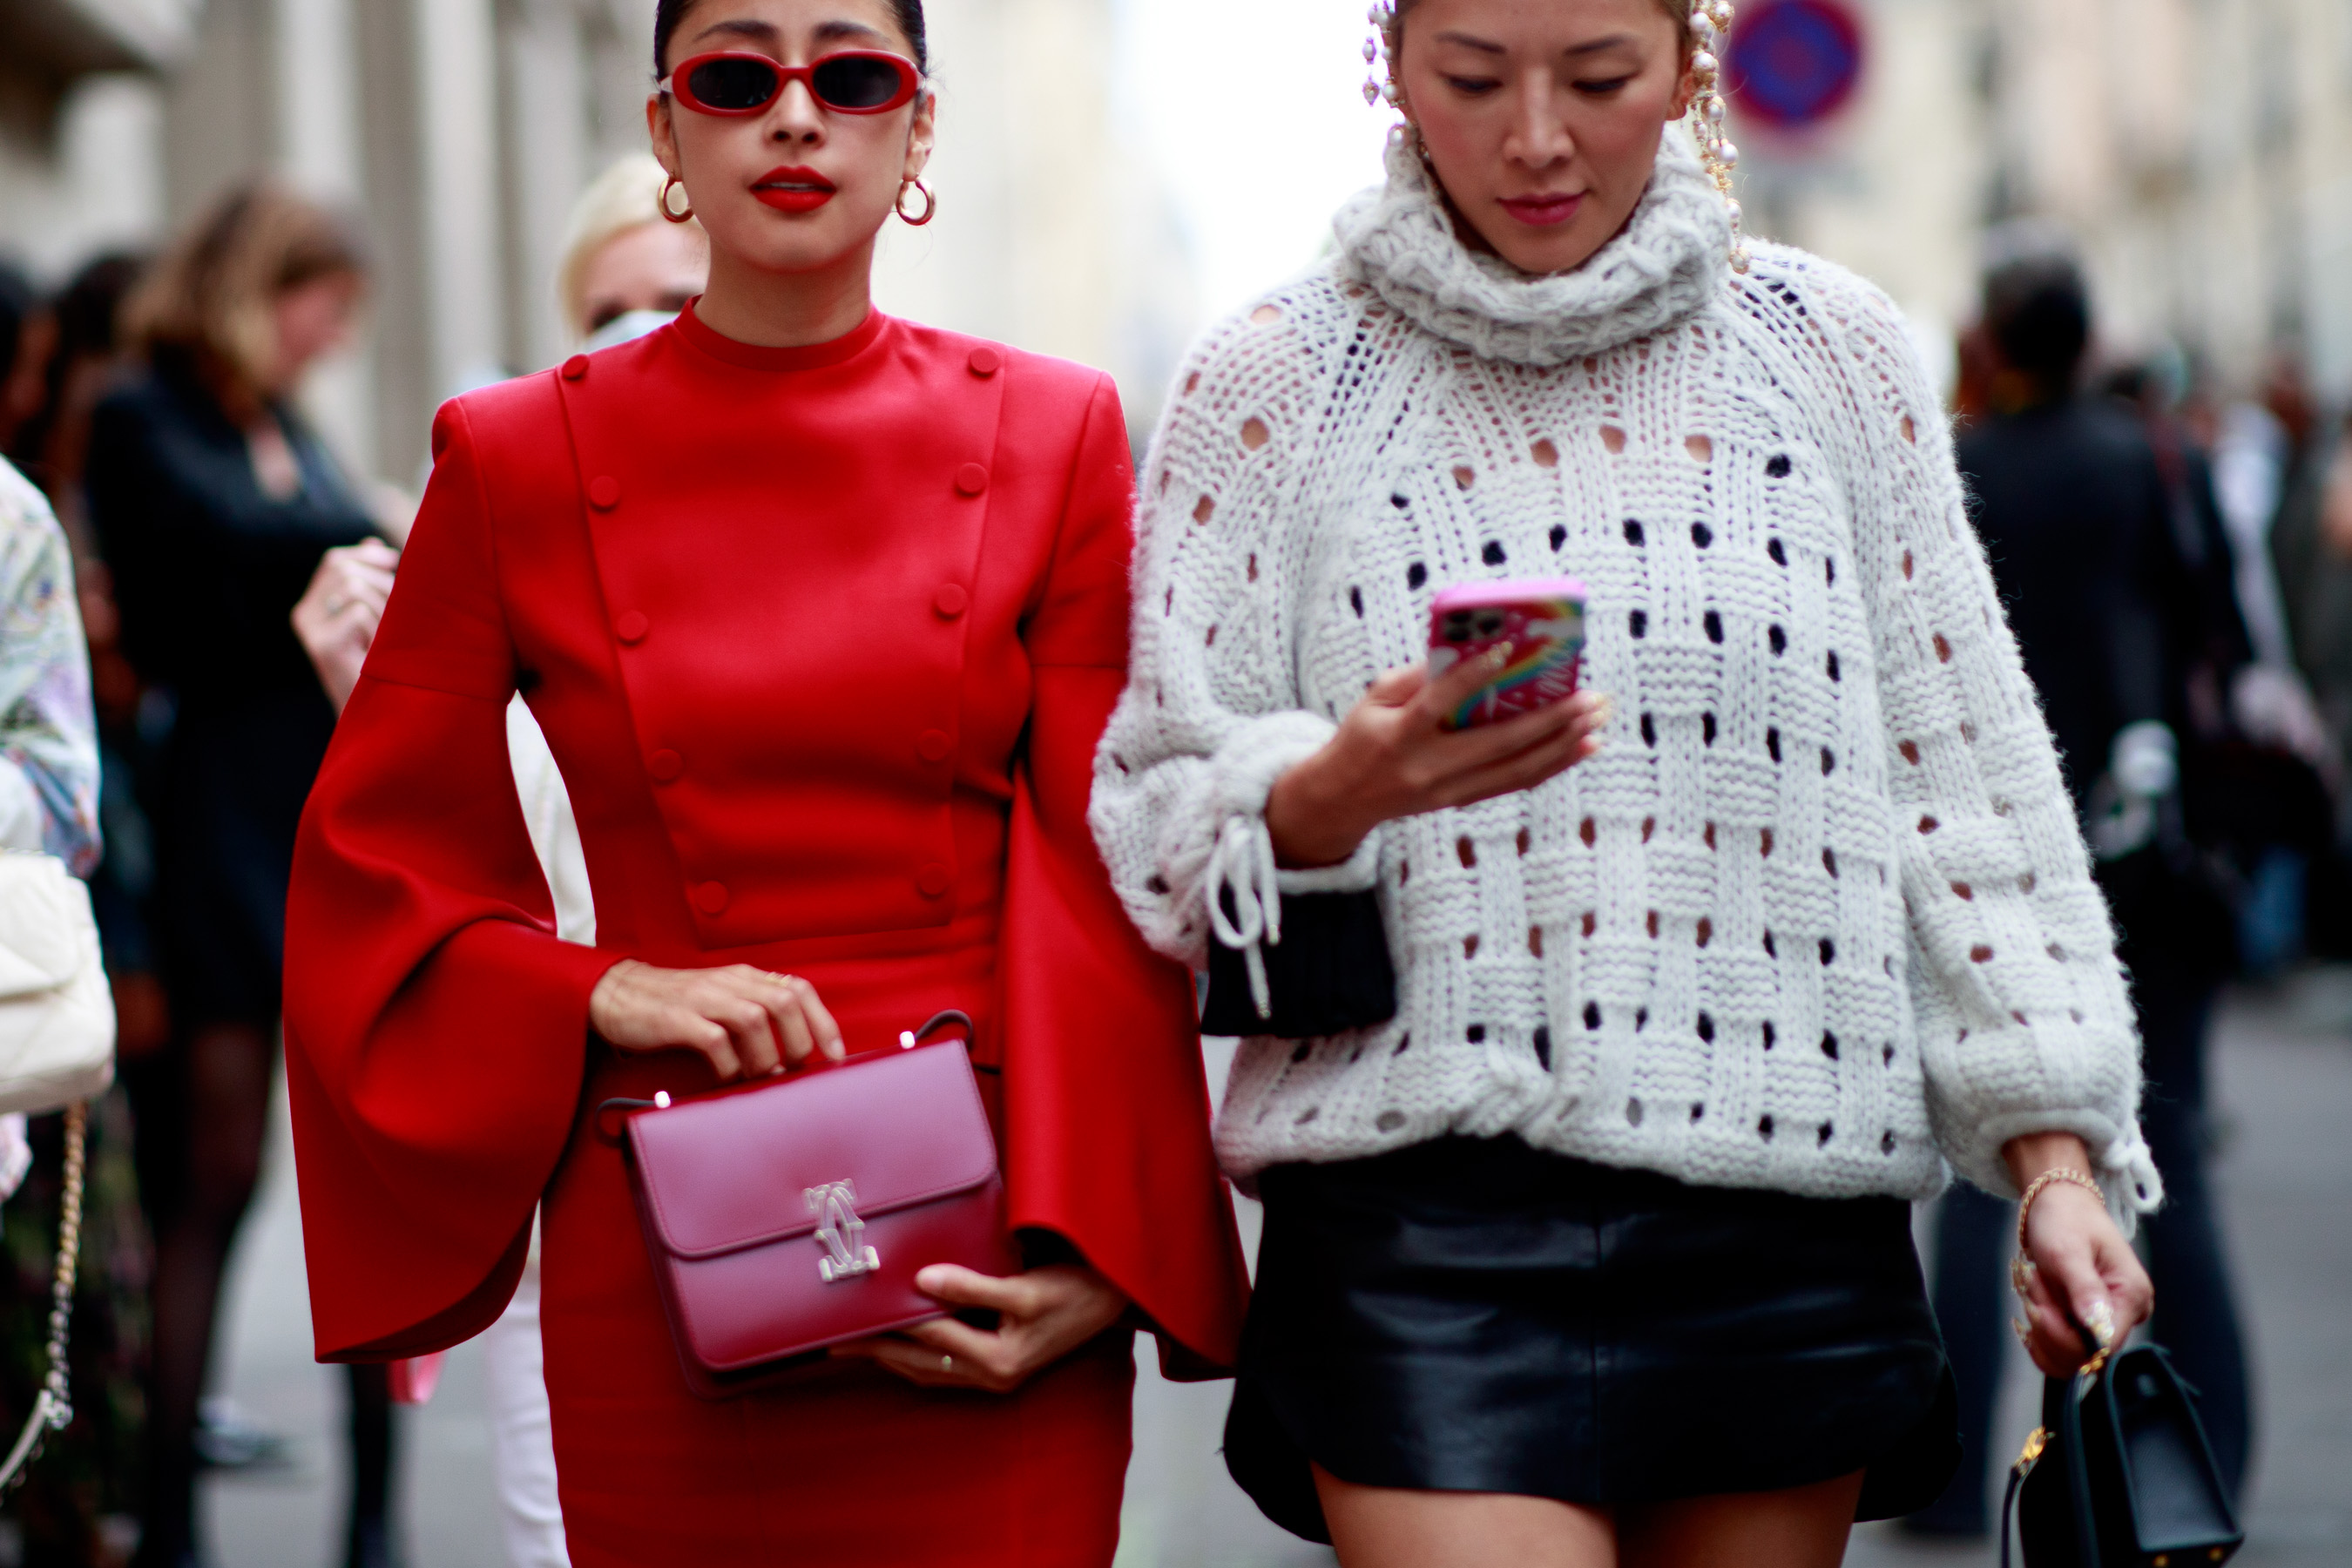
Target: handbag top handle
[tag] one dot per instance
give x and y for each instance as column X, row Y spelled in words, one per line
column 907, row 1040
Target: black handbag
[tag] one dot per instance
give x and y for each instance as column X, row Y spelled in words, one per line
column 2119, row 1474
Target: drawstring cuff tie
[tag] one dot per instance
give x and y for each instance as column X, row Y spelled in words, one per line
column 1241, row 866
column 2129, row 1167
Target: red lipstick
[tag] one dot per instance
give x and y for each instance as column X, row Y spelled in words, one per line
column 792, row 188
column 1545, row 209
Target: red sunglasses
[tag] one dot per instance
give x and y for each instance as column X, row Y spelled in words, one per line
column 848, row 81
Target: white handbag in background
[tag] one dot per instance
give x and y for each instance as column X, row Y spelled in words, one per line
column 57, row 1015
column 56, row 1049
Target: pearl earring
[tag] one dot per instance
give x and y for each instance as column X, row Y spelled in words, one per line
column 1709, row 20
column 1382, row 17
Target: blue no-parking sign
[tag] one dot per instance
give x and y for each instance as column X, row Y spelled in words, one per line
column 1793, row 64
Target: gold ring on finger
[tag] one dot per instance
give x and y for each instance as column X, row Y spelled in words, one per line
column 2020, row 1275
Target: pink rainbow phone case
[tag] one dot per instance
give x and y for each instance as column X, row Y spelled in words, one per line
column 1542, row 619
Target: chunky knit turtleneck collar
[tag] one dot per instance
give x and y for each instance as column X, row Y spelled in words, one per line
column 1665, row 264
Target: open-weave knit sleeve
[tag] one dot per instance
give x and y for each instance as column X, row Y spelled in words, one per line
column 2024, row 1019
column 1211, row 714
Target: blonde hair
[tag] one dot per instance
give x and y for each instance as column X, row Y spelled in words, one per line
column 625, row 196
column 210, row 297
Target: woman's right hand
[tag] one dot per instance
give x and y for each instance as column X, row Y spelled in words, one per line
column 1393, row 758
column 748, row 1022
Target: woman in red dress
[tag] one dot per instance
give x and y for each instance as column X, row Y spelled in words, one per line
column 821, row 613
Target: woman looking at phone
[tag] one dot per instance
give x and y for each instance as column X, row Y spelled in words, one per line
column 821, row 613
column 1598, row 1250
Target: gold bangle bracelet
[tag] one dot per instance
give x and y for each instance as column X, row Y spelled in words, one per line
column 2081, row 1179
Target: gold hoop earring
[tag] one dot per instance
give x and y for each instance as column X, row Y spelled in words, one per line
column 930, row 204
column 662, row 202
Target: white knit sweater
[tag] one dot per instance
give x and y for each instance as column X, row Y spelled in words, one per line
column 1818, row 917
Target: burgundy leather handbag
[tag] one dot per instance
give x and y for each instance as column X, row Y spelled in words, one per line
column 793, row 1214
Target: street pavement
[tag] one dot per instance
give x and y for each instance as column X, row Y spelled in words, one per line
column 2283, row 1074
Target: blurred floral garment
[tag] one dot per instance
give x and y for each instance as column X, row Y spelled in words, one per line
column 48, row 738
column 48, row 731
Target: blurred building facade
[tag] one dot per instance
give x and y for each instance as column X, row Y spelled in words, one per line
column 2194, row 149
column 458, row 132
column 81, row 122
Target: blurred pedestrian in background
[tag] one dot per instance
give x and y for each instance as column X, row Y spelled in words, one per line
column 213, row 503
column 624, row 271
column 2119, row 584
column 2312, row 544
column 25, row 330
column 52, row 441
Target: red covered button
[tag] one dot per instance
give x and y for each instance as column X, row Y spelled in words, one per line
column 985, row 360
column 932, row 745
column 950, row 601
column 575, row 368
column 630, row 625
column 666, row 764
column 971, row 479
column 933, row 879
column 711, row 897
column 604, row 492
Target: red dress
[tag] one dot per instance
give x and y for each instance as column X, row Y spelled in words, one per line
column 823, row 639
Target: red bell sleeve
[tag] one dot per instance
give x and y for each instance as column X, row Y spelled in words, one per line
column 1107, row 1106
column 435, row 1028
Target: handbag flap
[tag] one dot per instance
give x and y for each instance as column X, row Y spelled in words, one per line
column 742, row 1169
column 42, row 909
column 2173, row 1491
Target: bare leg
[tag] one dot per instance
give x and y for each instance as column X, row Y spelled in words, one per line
column 224, row 1107
column 1387, row 1526
column 1803, row 1527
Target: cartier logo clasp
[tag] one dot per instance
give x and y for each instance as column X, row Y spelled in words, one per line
column 840, row 1232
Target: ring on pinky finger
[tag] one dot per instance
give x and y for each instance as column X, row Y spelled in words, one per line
column 2023, row 1332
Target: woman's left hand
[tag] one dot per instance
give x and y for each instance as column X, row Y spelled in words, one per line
column 1043, row 1315
column 2083, row 1286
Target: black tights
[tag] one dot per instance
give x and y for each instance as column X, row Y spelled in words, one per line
column 204, row 1112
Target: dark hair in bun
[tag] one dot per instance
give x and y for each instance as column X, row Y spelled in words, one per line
column 668, row 13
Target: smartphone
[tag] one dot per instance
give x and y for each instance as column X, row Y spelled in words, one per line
column 1542, row 621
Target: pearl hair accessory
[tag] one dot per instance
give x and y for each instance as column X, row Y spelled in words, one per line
column 1382, row 17
column 1709, row 20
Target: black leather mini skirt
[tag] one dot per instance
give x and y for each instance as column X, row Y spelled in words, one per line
column 1476, row 1315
